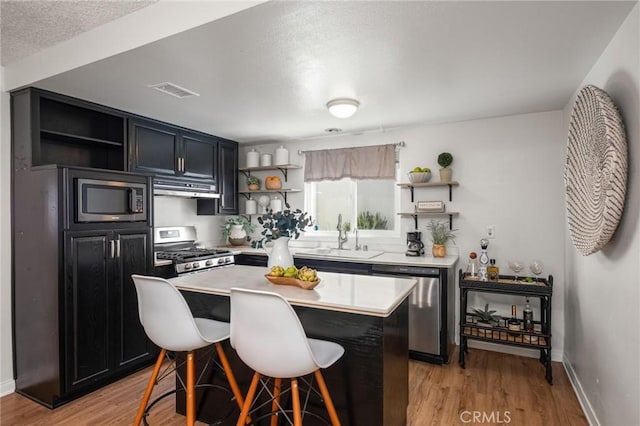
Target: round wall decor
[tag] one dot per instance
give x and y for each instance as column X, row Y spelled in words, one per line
column 595, row 170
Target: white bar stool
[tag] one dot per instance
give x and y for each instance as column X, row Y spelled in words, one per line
column 168, row 322
column 268, row 337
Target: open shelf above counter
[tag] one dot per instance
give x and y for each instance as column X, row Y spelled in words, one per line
column 282, row 191
column 411, row 186
column 283, row 168
column 415, row 216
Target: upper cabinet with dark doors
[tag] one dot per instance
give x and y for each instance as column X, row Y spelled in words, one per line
column 165, row 150
column 227, row 182
column 48, row 128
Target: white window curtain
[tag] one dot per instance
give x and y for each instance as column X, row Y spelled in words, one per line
column 367, row 162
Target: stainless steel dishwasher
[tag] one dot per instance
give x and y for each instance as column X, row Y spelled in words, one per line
column 429, row 310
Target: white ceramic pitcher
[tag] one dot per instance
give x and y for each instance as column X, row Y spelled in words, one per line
column 279, row 254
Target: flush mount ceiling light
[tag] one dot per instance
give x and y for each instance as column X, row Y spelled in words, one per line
column 343, row 108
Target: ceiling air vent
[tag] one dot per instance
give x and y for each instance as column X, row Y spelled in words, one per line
column 173, row 90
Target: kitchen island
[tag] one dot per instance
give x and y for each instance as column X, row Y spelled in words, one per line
column 367, row 315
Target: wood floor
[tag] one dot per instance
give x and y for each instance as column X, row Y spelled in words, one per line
column 495, row 388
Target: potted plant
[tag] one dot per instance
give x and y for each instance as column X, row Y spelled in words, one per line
column 236, row 229
column 279, row 228
column 444, row 160
column 440, row 234
column 253, row 183
column 486, row 318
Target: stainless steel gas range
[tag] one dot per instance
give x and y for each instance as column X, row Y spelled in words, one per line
column 178, row 244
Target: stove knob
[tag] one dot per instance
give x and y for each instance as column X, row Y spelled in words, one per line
column 227, row 260
column 196, row 265
column 221, row 261
column 187, row 266
column 208, row 263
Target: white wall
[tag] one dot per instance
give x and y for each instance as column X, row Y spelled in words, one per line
column 6, row 361
column 172, row 211
column 510, row 171
column 602, row 291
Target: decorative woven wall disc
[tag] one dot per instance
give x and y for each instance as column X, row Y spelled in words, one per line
column 595, row 170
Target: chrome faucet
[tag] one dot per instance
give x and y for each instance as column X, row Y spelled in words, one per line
column 341, row 232
column 358, row 246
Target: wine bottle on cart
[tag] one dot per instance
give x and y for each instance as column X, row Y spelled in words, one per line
column 513, row 324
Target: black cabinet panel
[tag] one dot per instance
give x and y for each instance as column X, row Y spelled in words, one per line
column 199, row 153
column 227, row 182
column 166, row 150
column 153, row 148
column 88, row 313
column 228, row 177
column 134, row 257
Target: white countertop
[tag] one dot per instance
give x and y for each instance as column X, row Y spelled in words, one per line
column 375, row 296
column 385, row 258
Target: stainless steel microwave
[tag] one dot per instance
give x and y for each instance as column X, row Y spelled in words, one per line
column 110, row 201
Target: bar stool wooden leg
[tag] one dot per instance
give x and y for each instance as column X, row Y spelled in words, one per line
column 242, row 420
column 191, row 384
column 150, row 386
column 230, row 377
column 295, row 396
column 327, row 398
column 276, row 400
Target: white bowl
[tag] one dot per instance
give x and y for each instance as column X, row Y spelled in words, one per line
column 419, row 177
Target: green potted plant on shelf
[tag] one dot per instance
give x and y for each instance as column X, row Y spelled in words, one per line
column 236, row 229
column 486, row 318
column 253, row 183
column 440, row 235
column 444, row 160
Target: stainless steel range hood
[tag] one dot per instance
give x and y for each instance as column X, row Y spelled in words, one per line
column 184, row 189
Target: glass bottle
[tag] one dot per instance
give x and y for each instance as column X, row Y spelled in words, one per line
column 527, row 317
column 472, row 265
column 484, row 259
column 492, row 270
column 513, row 324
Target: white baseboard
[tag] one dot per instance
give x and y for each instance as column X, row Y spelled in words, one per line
column 7, row 387
column 582, row 397
column 556, row 354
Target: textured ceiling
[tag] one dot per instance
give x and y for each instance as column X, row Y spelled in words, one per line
column 30, row 26
column 266, row 73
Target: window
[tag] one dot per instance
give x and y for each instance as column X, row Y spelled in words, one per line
column 368, row 204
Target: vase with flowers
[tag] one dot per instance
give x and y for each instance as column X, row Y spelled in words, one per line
column 279, row 228
column 236, row 229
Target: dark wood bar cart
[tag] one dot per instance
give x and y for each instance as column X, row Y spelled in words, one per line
column 539, row 338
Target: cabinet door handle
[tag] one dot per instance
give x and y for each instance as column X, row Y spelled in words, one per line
column 117, row 248
column 112, row 248
column 182, row 166
column 179, row 166
column 222, row 200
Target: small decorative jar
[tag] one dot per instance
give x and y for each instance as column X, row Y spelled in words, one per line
column 282, row 156
column 251, row 206
column 253, row 158
column 265, row 160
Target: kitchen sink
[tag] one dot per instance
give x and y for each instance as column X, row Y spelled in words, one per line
column 329, row 253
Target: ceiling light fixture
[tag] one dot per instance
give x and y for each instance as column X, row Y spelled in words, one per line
column 343, row 108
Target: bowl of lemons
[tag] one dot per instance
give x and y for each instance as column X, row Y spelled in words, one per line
column 420, row 175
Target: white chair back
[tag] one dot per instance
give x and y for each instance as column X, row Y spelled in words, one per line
column 165, row 315
column 267, row 335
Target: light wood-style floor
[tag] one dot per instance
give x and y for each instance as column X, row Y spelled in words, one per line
column 505, row 389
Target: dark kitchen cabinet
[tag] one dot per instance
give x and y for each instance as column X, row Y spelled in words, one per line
column 166, row 150
column 103, row 331
column 48, row 128
column 75, row 313
column 227, row 181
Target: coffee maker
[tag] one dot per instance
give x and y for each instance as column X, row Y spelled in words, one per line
column 415, row 247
